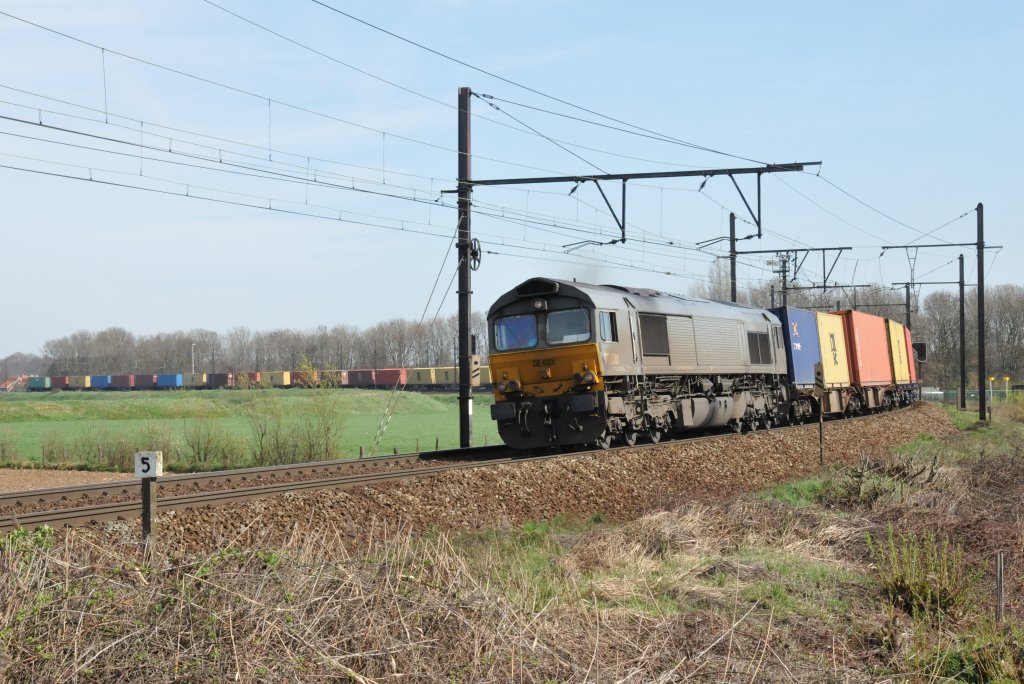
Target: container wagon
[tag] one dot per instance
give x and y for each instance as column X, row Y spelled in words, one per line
column 248, row 379
column 333, row 378
column 122, row 382
column 193, row 380
column 60, row 382
column 867, row 342
column 362, row 377
column 221, row 380
column 79, row 382
column 911, row 356
column 421, row 378
column 305, row 378
column 40, row 383
column 389, row 377
column 169, row 380
column 144, row 381
column 277, row 378
column 99, row 382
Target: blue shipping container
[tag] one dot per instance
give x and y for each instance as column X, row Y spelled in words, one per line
column 167, row 380
column 800, row 330
column 99, row 381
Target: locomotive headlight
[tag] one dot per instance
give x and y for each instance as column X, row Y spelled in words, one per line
column 577, row 378
column 502, row 386
column 513, row 385
column 539, row 304
column 589, row 377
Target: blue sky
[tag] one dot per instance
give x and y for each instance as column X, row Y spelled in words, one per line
column 913, row 108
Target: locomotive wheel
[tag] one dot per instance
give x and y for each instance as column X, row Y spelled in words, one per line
column 605, row 440
column 629, row 437
column 654, row 435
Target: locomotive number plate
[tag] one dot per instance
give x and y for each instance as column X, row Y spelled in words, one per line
column 543, row 363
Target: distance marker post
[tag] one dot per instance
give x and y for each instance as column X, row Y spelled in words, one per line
column 149, row 465
column 819, row 392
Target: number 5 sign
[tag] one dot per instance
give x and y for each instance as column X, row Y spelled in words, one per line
column 149, row 464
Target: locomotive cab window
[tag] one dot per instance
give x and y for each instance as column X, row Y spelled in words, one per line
column 515, row 332
column 570, row 325
column 609, row 329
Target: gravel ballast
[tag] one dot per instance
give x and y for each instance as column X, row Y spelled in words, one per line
column 620, row 484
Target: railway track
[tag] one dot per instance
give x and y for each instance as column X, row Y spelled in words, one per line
column 87, row 504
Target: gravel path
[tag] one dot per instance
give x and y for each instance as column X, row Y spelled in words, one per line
column 17, row 479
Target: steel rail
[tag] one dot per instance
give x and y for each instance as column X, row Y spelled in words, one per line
column 131, row 510
column 130, row 487
column 478, row 458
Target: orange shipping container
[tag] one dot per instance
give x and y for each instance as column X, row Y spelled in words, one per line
column 868, row 345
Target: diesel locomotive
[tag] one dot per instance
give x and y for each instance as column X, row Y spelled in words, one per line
column 580, row 364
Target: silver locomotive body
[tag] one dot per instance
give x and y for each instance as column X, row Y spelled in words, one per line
column 575, row 363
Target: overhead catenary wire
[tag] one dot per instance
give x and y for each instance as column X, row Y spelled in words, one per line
column 261, row 97
column 106, row 115
column 411, row 91
column 189, row 192
column 663, row 137
column 220, row 160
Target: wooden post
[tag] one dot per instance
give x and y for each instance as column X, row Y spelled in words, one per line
column 1000, row 597
column 149, row 465
column 819, row 392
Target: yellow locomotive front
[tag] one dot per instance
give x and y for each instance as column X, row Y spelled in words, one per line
column 546, row 368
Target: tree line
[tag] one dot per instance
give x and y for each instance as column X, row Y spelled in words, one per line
column 402, row 343
column 393, row 343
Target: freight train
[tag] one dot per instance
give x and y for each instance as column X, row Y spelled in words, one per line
column 578, row 364
column 425, row 379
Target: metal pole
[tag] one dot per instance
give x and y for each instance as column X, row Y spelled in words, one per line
column 963, row 341
column 759, row 219
column 906, row 286
column 785, row 271
column 465, row 283
column 192, row 353
column 981, row 312
column 732, row 256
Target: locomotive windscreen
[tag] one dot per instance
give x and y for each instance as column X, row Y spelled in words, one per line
column 571, row 325
column 515, row 332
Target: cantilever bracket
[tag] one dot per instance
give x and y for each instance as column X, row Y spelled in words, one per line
column 757, row 216
column 621, row 223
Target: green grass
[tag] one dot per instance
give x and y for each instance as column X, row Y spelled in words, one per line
column 798, row 494
column 29, row 420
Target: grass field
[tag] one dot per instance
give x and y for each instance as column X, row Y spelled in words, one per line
column 207, row 429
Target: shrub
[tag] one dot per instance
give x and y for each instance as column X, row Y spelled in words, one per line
column 923, row 576
column 8, row 447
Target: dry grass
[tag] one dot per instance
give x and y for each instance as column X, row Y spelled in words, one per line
column 419, row 609
column 719, row 590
